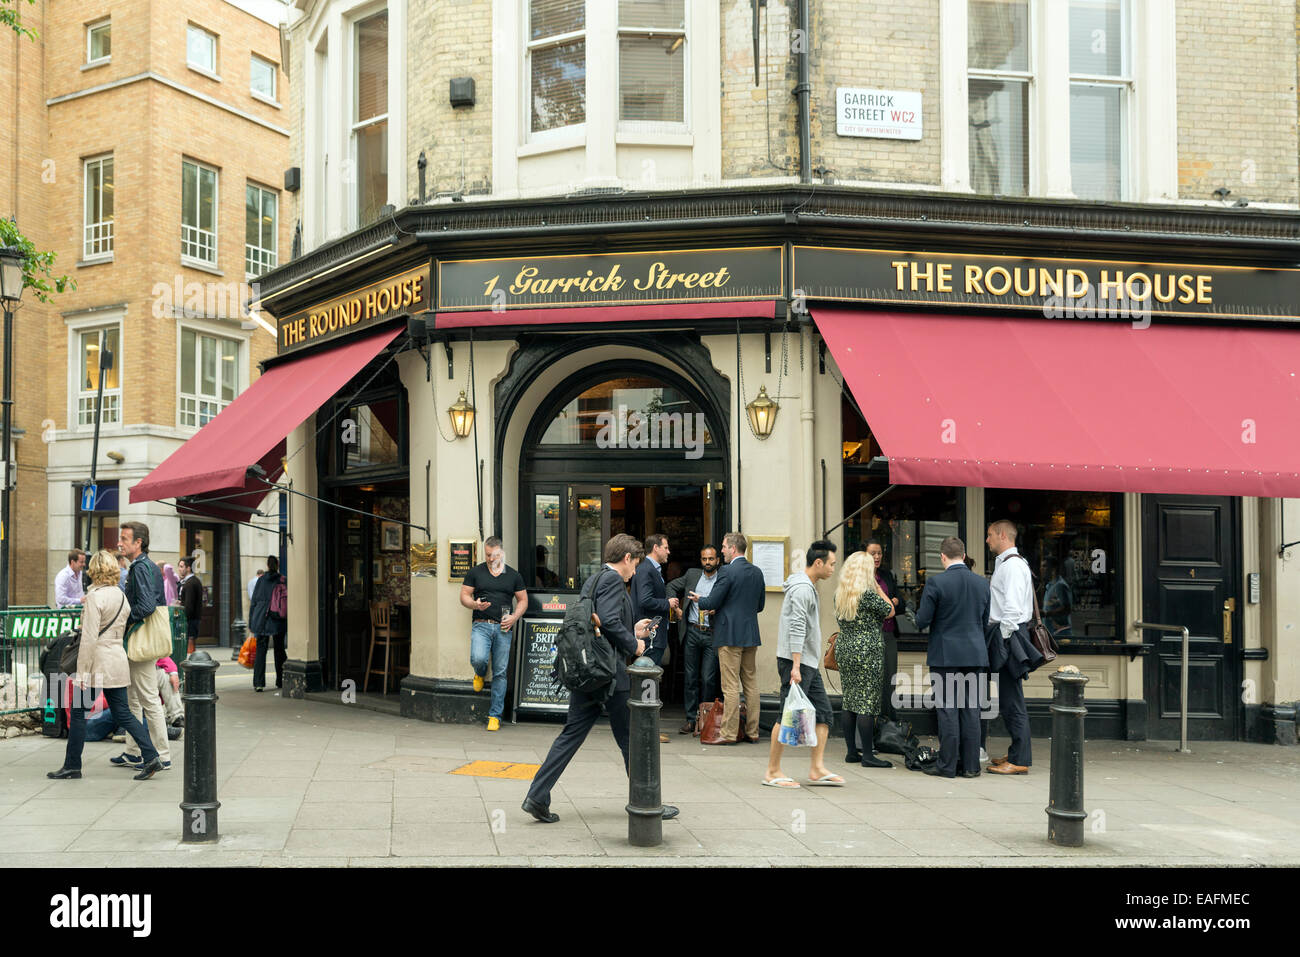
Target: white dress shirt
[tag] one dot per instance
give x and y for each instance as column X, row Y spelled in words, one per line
column 1011, row 599
column 703, row 587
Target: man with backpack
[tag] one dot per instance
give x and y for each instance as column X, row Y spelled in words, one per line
column 268, row 621
column 607, row 592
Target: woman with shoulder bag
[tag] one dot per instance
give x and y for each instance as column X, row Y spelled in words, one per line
column 102, row 663
column 860, row 609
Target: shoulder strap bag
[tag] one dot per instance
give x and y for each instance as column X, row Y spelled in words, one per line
column 72, row 648
column 1038, row 633
column 152, row 638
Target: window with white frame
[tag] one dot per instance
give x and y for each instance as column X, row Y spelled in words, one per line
column 652, row 61
column 557, row 64
column 1100, row 84
column 86, row 368
column 209, row 377
column 201, row 49
column 1000, row 83
column 370, row 116
column 97, row 233
column 198, row 213
column 261, row 77
column 99, row 41
column 259, row 230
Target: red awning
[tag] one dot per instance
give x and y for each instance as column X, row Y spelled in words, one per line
column 1074, row 405
column 213, row 465
column 650, row 312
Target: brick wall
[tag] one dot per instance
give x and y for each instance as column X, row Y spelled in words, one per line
column 1237, row 100
column 444, row 40
column 148, row 127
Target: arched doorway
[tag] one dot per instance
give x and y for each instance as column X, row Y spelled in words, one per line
column 624, row 446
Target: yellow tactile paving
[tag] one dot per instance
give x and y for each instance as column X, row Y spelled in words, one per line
column 498, row 769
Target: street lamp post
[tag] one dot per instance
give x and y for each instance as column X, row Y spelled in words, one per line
column 11, row 291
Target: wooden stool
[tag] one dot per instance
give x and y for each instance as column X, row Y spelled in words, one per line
column 383, row 633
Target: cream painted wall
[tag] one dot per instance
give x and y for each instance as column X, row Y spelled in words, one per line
column 304, row 635
column 1279, row 608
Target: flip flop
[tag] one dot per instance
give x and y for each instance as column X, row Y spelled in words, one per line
column 787, row 783
column 829, row 781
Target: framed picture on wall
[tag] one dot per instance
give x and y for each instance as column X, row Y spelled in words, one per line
column 354, row 523
column 397, row 569
column 354, row 539
column 390, row 537
column 377, row 571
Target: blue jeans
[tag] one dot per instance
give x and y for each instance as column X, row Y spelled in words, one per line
column 488, row 641
column 116, row 698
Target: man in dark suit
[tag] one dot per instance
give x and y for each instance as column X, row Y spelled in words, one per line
column 955, row 607
column 613, row 608
column 695, row 636
column 650, row 594
column 650, row 598
column 191, row 597
column 737, row 598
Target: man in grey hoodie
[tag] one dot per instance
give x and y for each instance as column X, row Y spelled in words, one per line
column 799, row 640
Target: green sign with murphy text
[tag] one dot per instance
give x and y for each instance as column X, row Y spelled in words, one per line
column 40, row 625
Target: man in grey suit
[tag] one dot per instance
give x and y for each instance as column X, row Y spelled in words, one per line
column 955, row 607
column 737, row 598
column 613, row 609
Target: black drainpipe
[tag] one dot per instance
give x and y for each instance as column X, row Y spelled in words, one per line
column 803, row 90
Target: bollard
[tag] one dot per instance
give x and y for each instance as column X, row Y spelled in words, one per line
column 199, row 803
column 238, row 634
column 645, row 824
column 1065, row 813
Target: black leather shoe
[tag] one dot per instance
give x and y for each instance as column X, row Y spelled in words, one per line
column 871, row 761
column 62, row 773
column 538, row 812
column 971, row 774
column 853, row 757
column 670, row 812
column 687, row 728
column 936, row 773
column 149, row 770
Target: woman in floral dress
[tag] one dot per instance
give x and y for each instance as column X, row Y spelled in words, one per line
column 860, row 609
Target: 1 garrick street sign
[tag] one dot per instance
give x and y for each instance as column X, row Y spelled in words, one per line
column 682, row 275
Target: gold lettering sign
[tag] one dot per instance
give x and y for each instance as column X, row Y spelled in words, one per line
column 405, row 292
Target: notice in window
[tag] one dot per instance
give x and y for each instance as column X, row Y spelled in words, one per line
column 883, row 114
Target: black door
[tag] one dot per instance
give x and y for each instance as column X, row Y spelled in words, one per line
column 1191, row 562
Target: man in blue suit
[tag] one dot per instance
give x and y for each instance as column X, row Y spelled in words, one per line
column 955, row 607
column 737, row 597
column 650, row 594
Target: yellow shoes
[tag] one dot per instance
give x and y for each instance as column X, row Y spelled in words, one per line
column 494, row 724
column 478, row 682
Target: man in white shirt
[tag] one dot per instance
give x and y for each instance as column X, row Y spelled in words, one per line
column 68, row 592
column 1011, row 606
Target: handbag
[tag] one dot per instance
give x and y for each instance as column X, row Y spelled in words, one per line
column 72, row 647
column 895, row 737
column 708, row 725
column 829, row 662
column 248, row 652
column 152, row 639
column 1038, row 634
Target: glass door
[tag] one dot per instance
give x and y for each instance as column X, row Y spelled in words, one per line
column 588, row 531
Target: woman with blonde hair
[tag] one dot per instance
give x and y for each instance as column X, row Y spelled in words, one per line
column 102, row 663
column 860, row 610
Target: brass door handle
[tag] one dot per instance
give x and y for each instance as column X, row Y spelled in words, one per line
column 1229, row 606
column 570, row 582
column 343, row 585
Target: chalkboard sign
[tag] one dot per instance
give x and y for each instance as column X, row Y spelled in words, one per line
column 535, row 689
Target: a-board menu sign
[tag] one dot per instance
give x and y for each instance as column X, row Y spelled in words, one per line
column 535, row 689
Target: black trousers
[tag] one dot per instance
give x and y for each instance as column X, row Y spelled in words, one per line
column 956, row 698
column 259, row 665
column 887, row 709
column 1011, row 707
column 584, row 711
column 701, row 670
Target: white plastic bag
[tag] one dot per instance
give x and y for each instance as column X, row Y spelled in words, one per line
column 798, row 720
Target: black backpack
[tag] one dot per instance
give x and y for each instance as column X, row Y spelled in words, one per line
column 584, row 660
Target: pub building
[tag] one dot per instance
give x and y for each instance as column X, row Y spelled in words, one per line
column 1123, row 383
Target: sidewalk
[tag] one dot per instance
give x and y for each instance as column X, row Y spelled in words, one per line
column 307, row 783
